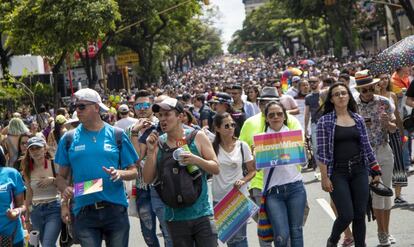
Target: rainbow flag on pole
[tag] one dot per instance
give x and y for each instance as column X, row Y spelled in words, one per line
column 283, row 148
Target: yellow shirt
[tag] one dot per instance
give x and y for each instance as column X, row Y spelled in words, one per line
column 256, row 125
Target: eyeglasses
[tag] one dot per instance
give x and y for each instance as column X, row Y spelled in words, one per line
column 341, row 93
column 275, row 114
column 82, row 106
column 230, row 125
column 366, row 90
column 383, row 78
column 311, row 82
column 142, row 106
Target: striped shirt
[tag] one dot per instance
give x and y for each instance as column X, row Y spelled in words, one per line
column 325, row 134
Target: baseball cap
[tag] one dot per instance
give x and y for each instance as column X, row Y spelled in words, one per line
column 168, row 104
column 224, row 98
column 123, row 108
column 92, row 96
column 295, row 78
column 36, row 141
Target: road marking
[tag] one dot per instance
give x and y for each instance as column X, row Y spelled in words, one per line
column 327, row 207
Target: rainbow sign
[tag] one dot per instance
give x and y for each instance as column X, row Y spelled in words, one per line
column 232, row 212
column 88, row 187
column 283, row 148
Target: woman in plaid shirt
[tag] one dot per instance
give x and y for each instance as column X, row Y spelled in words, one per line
column 345, row 157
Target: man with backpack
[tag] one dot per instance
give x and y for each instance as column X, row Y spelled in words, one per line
column 181, row 178
column 96, row 157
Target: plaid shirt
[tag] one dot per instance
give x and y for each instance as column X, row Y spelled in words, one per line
column 325, row 134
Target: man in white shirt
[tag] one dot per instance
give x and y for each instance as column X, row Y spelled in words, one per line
column 125, row 120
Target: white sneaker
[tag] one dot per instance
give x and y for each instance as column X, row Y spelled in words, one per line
column 318, row 176
column 392, row 239
column 383, row 239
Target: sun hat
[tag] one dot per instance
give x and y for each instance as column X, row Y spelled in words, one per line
column 123, row 108
column 60, row 119
column 269, row 93
column 92, row 96
column 364, row 79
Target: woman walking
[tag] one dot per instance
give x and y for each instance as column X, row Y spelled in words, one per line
column 286, row 195
column 345, row 173
column 42, row 195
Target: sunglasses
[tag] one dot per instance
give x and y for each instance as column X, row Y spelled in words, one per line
column 142, row 106
column 311, row 82
column 230, row 125
column 82, row 106
column 275, row 114
column 341, row 93
column 366, row 90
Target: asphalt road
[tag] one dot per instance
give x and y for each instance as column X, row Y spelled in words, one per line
column 319, row 223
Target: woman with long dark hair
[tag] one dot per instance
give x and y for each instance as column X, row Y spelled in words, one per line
column 253, row 95
column 285, row 194
column 42, row 196
column 344, row 153
column 231, row 154
column 56, row 133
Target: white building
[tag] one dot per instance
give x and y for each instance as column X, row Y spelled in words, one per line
column 250, row 5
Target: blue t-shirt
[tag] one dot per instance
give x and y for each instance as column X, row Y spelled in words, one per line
column 87, row 157
column 10, row 182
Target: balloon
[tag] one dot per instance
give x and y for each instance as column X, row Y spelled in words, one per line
column 111, row 98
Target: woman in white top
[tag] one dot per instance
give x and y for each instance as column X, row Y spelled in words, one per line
column 286, row 195
column 229, row 152
column 42, row 195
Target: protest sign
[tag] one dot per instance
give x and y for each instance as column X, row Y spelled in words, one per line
column 282, row 148
column 232, row 212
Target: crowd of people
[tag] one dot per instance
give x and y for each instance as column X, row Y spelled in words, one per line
column 175, row 140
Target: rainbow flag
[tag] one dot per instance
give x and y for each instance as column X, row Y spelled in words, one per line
column 283, row 148
column 232, row 212
column 88, row 187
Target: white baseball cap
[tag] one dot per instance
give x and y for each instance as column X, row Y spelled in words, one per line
column 92, row 96
column 123, row 108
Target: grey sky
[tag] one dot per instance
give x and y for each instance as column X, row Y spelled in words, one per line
column 231, row 18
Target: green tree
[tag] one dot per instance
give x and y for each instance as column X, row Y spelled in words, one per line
column 54, row 29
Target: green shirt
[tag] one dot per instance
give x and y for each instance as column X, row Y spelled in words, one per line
column 256, row 125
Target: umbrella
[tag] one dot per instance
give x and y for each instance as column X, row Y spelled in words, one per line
column 306, row 62
column 394, row 57
column 291, row 71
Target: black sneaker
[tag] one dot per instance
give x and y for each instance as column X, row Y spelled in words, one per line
column 399, row 200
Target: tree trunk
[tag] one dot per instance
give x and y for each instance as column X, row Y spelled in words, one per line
column 5, row 57
column 55, row 71
column 409, row 10
column 395, row 23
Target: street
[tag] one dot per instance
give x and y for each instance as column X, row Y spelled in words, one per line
column 319, row 223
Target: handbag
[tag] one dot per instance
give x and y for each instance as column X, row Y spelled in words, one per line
column 244, row 166
column 408, row 122
column 381, row 189
column 264, row 227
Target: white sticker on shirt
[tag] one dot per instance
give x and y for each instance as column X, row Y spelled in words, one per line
column 107, row 147
column 3, row 187
column 79, row 148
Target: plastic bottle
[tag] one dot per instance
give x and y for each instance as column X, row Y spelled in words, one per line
column 192, row 169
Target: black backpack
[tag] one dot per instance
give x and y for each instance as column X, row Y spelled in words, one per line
column 176, row 187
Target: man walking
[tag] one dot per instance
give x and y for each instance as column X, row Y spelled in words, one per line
column 95, row 156
column 190, row 225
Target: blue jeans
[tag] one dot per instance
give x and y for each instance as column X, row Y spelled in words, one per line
column 45, row 218
column 110, row 222
column 285, row 206
column 239, row 239
column 158, row 207
column 147, row 218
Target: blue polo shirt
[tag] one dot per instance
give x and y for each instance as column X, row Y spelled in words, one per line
column 86, row 158
column 11, row 182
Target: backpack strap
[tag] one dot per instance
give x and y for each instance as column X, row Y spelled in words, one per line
column 118, row 139
column 190, row 137
column 69, row 135
column 53, row 168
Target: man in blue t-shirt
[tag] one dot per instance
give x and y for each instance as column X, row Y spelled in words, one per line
column 94, row 155
column 191, row 224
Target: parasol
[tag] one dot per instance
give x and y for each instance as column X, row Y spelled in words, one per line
column 306, row 62
column 394, row 57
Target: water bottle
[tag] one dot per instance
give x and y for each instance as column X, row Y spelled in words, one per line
column 192, row 169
